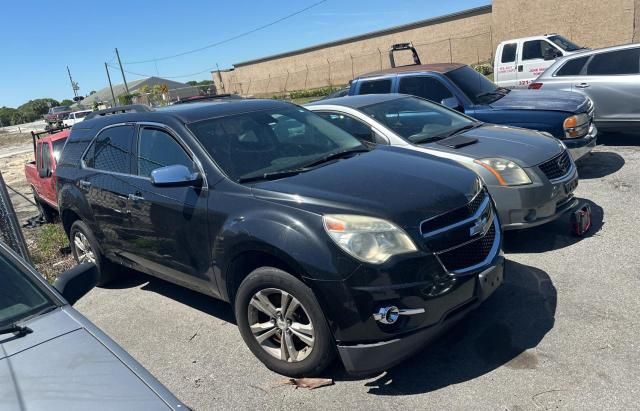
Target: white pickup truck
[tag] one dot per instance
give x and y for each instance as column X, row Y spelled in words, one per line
column 75, row 117
column 520, row 61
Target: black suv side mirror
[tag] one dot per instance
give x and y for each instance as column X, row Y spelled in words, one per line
column 175, row 175
column 73, row 284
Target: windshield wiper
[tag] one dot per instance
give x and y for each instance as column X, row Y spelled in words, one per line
column 273, row 175
column 19, row 330
column 428, row 139
column 334, row 156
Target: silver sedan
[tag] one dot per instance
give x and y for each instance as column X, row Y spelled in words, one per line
column 530, row 175
column 610, row 77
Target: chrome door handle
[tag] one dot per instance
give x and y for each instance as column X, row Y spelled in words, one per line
column 582, row 85
column 134, row 197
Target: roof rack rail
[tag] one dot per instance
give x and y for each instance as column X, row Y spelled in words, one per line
column 131, row 108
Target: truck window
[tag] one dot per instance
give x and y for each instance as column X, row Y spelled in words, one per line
column 156, row 148
column 615, row 63
column 509, row 53
column 425, row 87
column 111, row 150
column 536, row 49
column 375, row 87
column 349, row 124
column 58, row 145
column 572, row 67
column 46, row 157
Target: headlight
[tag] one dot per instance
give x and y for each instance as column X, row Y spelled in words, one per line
column 576, row 126
column 368, row 239
column 505, row 171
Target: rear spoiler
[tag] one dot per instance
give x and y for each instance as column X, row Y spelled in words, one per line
column 131, row 108
column 401, row 47
column 36, row 136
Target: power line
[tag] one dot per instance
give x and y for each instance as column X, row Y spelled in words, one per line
column 246, row 33
column 210, row 69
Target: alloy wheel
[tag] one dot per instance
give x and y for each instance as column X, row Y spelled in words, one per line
column 84, row 252
column 281, row 325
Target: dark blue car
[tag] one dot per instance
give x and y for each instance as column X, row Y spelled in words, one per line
column 567, row 116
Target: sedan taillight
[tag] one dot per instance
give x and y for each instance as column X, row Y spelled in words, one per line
column 535, row 86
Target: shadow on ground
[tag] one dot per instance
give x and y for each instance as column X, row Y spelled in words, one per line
column 499, row 333
column 551, row 236
column 599, row 164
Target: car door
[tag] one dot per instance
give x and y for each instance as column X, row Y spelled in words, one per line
column 105, row 179
column 536, row 57
column 170, row 223
column 612, row 80
column 506, row 69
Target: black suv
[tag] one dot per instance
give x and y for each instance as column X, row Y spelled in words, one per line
column 317, row 241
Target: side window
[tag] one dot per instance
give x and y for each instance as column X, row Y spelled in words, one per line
column 39, row 156
column 375, row 87
column 111, row 150
column 536, row 49
column 355, row 127
column 509, row 53
column 572, row 67
column 46, row 157
column 425, row 87
column 615, row 62
column 156, row 148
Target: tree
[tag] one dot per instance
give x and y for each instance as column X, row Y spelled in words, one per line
column 92, row 92
column 66, row 102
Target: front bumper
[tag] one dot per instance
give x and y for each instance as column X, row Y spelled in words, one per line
column 369, row 358
column 580, row 147
column 535, row 204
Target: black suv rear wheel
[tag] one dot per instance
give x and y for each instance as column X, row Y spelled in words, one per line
column 84, row 247
column 282, row 323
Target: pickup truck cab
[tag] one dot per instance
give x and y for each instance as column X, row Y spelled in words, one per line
column 40, row 173
column 75, row 117
column 55, row 116
column 519, row 61
column 321, row 244
column 566, row 116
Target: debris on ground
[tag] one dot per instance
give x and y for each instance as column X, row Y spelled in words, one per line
column 310, row 383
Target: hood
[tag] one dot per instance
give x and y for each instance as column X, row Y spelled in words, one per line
column 524, row 147
column 70, row 370
column 542, row 100
column 403, row 185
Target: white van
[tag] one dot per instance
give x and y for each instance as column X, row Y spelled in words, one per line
column 520, row 61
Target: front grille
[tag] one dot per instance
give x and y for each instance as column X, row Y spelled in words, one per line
column 454, row 216
column 557, row 167
column 470, row 254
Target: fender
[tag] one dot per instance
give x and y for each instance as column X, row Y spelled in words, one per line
column 70, row 198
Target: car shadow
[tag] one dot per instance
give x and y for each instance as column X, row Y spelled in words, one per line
column 499, row 333
column 551, row 236
column 599, row 164
column 130, row 278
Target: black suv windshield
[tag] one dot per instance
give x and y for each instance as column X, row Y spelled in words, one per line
column 477, row 87
column 20, row 296
column 564, row 44
column 272, row 142
column 417, row 120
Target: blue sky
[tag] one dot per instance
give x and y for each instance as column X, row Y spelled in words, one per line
column 40, row 38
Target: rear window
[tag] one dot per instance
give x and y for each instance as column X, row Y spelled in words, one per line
column 375, row 87
column 615, row 63
column 509, row 53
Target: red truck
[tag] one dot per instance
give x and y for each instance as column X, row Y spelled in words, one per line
column 40, row 173
column 55, row 116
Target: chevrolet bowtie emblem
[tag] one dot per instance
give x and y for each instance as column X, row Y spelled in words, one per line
column 479, row 226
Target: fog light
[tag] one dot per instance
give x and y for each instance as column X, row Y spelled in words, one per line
column 387, row 315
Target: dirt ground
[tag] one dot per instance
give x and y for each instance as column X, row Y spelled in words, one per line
column 47, row 243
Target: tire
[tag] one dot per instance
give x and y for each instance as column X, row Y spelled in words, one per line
column 48, row 214
column 303, row 360
column 80, row 235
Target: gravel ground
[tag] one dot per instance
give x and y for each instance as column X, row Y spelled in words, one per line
column 560, row 333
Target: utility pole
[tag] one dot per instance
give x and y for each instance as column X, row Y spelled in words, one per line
column 74, row 85
column 126, row 87
column 106, row 67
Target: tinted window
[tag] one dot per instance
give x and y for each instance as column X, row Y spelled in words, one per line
column 111, row 150
column 351, row 125
column 425, row 87
column 572, row 67
column 156, row 148
column 19, row 295
column 267, row 141
column 375, row 87
column 615, row 62
column 536, row 49
column 416, row 120
column 509, row 53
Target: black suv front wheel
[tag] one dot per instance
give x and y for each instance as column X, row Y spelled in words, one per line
column 282, row 323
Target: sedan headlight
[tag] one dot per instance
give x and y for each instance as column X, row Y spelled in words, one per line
column 576, row 126
column 368, row 239
column 505, row 171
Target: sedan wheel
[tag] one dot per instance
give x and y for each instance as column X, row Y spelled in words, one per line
column 281, row 325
